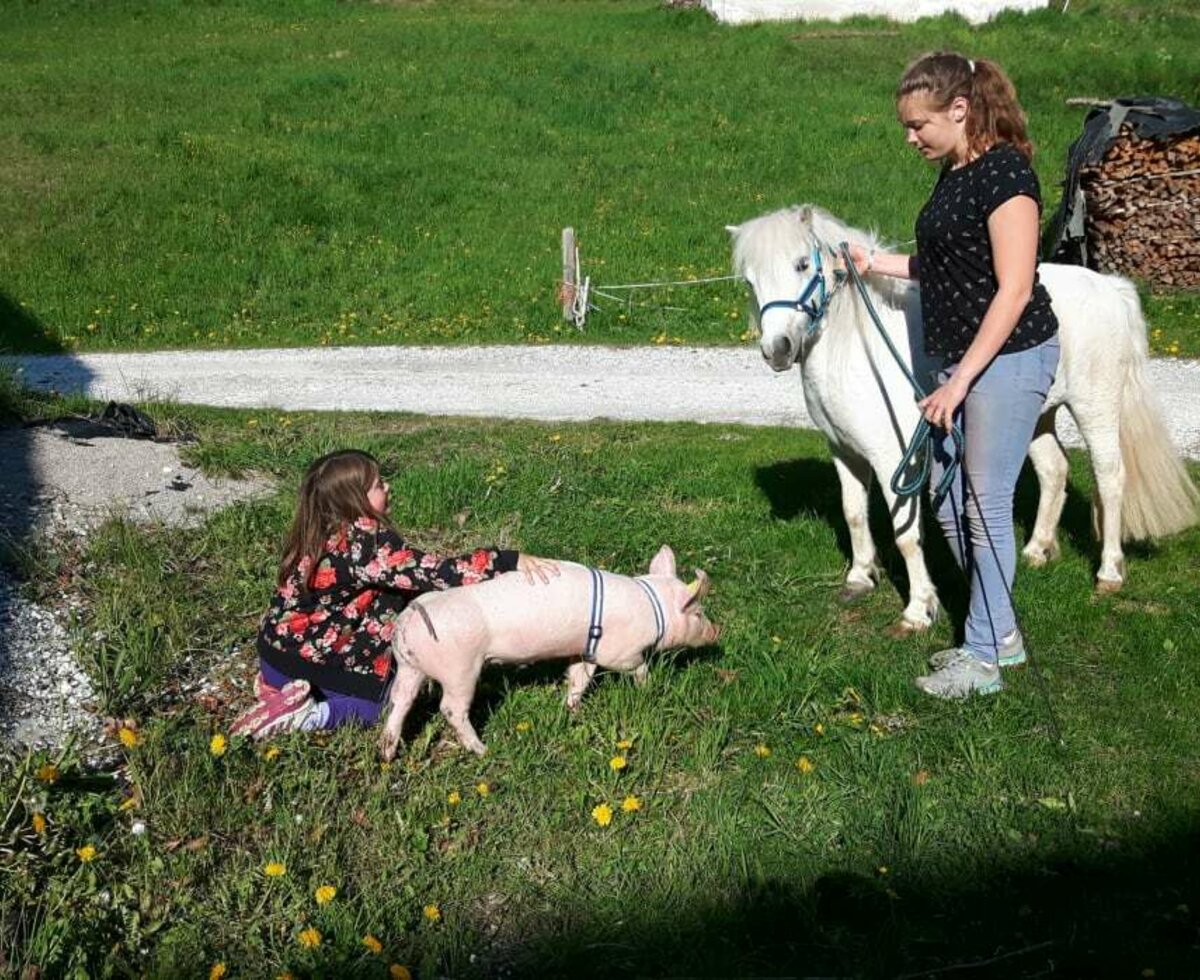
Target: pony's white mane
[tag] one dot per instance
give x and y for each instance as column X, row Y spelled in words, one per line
column 789, row 232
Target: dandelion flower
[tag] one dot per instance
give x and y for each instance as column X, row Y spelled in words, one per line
column 325, row 894
column 275, row 869
column 631, row 804
column 819, row 728
column 47, row 773
column 625, row 744
column 218, row 970
column 762, row 751
column 432, row 913
column 271, row 753
column 805, row 765
column 482, row 789
column 39, row 823
column 455, row 797
column 131, row 739
column 310, row 938
column 86, row 854
column 602, row 814
column 617, row 763
column 524, row 726
column 217, row 745
column 398, row 972
column 373, row 944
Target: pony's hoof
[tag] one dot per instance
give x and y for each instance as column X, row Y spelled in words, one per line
column 1036, row 555
column 853, row 592
column 906, row 627
column 1105, row 586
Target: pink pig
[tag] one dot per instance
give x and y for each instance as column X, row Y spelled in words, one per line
column 450, row 635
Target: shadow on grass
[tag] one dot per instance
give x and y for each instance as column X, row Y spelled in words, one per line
column 1070, row 914
column 808, row 486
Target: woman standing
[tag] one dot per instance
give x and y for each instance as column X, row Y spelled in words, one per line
column 989, row 322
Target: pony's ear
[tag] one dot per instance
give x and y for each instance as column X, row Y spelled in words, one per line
column 733, row 229
column 806, row 214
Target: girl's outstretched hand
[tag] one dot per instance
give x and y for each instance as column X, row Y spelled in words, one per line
column 534, row 568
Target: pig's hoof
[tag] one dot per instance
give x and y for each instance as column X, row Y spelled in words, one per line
column 387, row 746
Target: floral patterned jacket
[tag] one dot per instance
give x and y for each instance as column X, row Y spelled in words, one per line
column 337, row 633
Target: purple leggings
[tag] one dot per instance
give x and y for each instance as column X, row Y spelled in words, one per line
column 338, row 709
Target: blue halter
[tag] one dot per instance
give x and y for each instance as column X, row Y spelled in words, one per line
column 813, row 309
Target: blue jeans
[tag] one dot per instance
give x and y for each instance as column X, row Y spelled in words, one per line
column 997, row 417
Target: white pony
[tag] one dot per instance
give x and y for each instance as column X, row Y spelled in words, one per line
column 858, row 396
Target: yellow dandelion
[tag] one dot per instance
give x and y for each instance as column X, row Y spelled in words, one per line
column 617, row 763
column 883, row 869
column 762, row 751
column 373, row 944
column 805, row 765
column 625, row 744
column 217, row 745
column 776, row 640
column 819, row 728
column 455, row 797
column 432, row 913
column 855, row 718
column 131, row 802
column 602, row 814
column 275, row 869
column 47, row 773
column 131, row 739
column 271, row 753
column 218, row 970
column 310, row 938
column 631, row 804
column 524, row 726
column 39, row 823
column 86, row 854
column 251, row 422
column 325, row 894
column 398, row 972
column 482, row 789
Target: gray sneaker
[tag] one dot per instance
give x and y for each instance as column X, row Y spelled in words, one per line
column 961, row 676
column 1012, row 653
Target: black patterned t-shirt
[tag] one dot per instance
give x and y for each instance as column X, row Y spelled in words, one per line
column 958, row 279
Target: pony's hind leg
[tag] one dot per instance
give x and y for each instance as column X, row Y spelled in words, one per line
column 1099, row 425
column 854, row 476
column 1050, row 464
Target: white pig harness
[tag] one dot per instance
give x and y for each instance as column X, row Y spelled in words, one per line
column 596, row 619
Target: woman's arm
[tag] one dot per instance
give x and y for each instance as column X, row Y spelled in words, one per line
column 1013, row 232
column 893, row 264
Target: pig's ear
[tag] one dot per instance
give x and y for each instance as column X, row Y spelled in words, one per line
column 664, row 562
column 698, row 589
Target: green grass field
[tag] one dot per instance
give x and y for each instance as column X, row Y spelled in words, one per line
column 259, row 173
column 802, row 809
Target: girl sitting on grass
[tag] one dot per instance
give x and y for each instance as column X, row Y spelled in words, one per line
column 324, row 643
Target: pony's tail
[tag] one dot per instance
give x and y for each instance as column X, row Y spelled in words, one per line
column 1159, row 497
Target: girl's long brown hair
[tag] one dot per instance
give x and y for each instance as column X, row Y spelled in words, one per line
column 332, row 494
column 995, row 115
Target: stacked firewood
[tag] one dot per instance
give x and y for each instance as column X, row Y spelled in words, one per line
column 1143, row 208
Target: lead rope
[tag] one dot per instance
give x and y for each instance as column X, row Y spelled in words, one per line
column 920, row 446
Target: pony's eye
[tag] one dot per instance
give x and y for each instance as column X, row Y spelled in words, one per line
column 802, row 264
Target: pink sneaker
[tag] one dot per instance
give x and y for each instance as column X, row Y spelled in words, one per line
column 263, row 690
column 278, row 712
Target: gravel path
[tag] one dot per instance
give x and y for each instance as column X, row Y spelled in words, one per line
column 711, row 384
column 58, row 482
